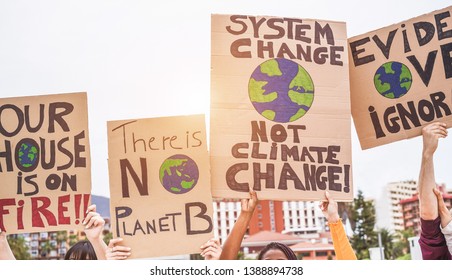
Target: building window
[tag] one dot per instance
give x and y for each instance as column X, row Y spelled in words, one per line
column 321, row 254
column 34, row 253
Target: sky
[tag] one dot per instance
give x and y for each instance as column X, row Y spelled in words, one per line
column 140, row 59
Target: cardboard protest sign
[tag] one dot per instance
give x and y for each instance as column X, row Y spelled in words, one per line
column 401, row 78
column 45, row 169
column 160, row 198
column 280, row 104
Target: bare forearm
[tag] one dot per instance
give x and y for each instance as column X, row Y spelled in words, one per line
column 428, row 201
column 232, row 245
column 100, row 248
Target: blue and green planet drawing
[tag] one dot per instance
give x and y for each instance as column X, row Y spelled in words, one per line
column 179, row 174
column 281, row 90
column 393, row 79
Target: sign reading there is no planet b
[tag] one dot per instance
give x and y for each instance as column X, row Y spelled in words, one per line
column 160, row 199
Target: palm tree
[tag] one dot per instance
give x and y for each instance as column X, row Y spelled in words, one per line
column 387, row 240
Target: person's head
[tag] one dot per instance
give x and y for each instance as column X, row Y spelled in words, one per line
column 82, row 250
column 276, row 251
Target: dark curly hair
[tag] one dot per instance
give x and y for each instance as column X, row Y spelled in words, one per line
column 278, row 246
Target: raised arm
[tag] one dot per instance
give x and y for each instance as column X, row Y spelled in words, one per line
column 342, row 247
column 432, row 242
column 427, row 199
column 5, row 250
column 94, row 225
column 232, row 245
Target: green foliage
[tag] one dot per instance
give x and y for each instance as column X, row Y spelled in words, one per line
column 72, row 240
column 364, row 237
column 402, row 244
column 46, row 248
column 108, row 237
column 19, row 248
column 61, row 236
column 387, row 241
column 404, row 257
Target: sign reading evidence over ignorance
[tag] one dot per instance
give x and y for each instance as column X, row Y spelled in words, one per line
column 401, row 78
column 45, row 169
column 280, row 103
column 160, row 198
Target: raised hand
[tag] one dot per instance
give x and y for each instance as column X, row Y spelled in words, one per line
column 94, row 223
column 430, row 135
column 211, row 250
column 329, row 208
column 249, row 204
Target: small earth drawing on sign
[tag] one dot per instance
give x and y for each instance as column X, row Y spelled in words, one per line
column 27, row 154
column 179, row 174
column 393, row 79
column 281, row 90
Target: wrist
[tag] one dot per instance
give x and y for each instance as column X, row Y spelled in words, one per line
column 334, row 218
column 245, row 216
column 427, row 154
column 95, row 238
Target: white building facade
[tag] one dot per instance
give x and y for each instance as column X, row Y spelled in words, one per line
column 299, row 217
column 388, row 209
column 303, row 217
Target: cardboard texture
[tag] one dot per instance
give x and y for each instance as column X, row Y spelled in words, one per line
column 160, row 199
column 45, row 166
column 401, row 78
column 280, row 103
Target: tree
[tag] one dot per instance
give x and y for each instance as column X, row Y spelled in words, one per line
column 387, row 241
column 402, row 244
column 19, row 247
column 364, row 236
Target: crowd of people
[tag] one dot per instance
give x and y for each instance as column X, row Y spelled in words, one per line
column 435, row 238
